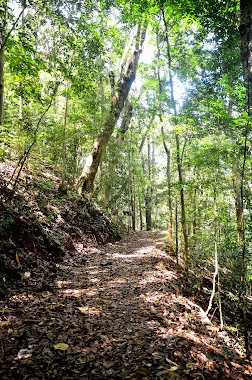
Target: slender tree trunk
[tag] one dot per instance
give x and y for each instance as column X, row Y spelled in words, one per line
column 168, row 175
column 148, row 195
column 63, row 185
column 246, row 55
column 86, row 181
column 102, row 86
column 194, row 222
column 178, row 152
column 148, row 211
column 1, row 77
column 246, row 41
column 126, row 120
column 26, row 153
column 140, row 213
column 133, row 207
column 21, row 103
column 176, row 238
column 168, row 160
column 113, row 200
column 182, row 202
column 216, row 276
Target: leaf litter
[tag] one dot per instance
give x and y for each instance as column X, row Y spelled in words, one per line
column 116, row 313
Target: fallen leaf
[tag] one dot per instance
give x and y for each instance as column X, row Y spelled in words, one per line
column 168, row 370
column 3, row 323
column 107, row 365
column 61, row 346
column 18, row 262
column 174, row 368
column 246, row 372
column 24, row 353
column 236, row 365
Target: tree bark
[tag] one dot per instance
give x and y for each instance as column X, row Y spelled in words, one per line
column 178, row 152
column 168, row 175
column 246, row 56
column 176, row 238
column 168, row 160
column 85, row 183
column 148, row 195
column 126, row 120
column 63, row 184
column 140, row 213
column 1, row 77
column 246, row 46
column 216, row 275
column 133, row 206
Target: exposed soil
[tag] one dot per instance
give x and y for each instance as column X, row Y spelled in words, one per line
column 114, row 312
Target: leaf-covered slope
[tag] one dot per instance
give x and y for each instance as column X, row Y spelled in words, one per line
column 38, row 225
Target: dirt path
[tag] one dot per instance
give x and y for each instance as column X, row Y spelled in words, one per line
column 114, row 313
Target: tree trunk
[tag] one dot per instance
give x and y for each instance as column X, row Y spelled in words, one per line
column 168, row 161
column 182, row 201
column 86, row 181
column 148, row 195
column 114, row 199
column 148, row 211
column 176, row 238
column 246, row 41
column 1, row 77
column 126, row 120
column 178, row 152
column 63, row 184
column 194, row 222
column 168, row 175
column 140, row 213
column 133, row 207
column 216, row 275
column 246, row 56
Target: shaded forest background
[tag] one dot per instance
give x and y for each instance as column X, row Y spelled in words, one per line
column 143, row 107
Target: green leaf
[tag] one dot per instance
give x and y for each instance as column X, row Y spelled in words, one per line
column 61, row 346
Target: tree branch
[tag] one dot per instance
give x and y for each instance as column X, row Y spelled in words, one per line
column 12, row 28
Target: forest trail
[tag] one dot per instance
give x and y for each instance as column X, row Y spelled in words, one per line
column 115, row 312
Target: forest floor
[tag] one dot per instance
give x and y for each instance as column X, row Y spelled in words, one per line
column 115, row 312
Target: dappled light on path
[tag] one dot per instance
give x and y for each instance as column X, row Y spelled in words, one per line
column 119, row 315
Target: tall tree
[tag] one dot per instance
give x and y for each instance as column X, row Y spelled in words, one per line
column 246, row 54
column 179, row 155
column 167, row 149
column 127, row 75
